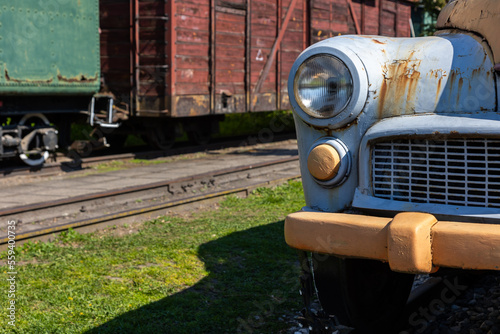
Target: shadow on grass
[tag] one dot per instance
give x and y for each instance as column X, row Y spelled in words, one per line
column 252, row 284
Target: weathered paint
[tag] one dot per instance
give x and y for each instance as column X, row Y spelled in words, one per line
column 411, row 242
column 479, row 16
column 64, row 59
column 190, row 105
column 400, row 79
column 440, row 87
column 467, row 246
column 478, row 124
column 213, row 47
column 405, row 77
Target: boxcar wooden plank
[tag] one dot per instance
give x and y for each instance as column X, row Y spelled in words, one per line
column 263, row 42
column 193, row 10
column 192, row 62
column 230, row 17
column 190, row 51
column 230, row 52
column 230, row 27
column 228, row 39
column 262, row 31
column 193, row 76
column 190, row 89
column 230, row 76
column 192, row 22
column 192, row 36
column 230, row 64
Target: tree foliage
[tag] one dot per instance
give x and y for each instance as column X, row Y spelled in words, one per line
column 432, row 8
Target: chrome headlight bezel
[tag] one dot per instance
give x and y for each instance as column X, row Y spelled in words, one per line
column 359, row 91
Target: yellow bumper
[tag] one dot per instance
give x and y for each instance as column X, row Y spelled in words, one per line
column 410, row 242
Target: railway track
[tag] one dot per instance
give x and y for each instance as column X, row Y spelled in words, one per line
column 40, row 221
column 61, row 163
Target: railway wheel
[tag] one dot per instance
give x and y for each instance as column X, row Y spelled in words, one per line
column 200, row 129
column 200, row 137
column 364, row 294
column 162, row 138
column 34, row 155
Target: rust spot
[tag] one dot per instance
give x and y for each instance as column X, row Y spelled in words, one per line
column 398, row 87
column 454, row 75
column 439, row 74
column 346, row 127
column 437, row 91
column 378, row 42
column 460, row 84
column 8, row 78
column 192, row 105
column 475, row 72
column 79, row 78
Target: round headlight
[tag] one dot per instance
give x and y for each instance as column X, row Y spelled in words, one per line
column 323, row 86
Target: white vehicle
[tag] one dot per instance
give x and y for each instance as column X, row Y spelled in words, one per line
column 399, row 143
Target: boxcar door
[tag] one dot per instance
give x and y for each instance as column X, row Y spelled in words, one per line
column 229, row 58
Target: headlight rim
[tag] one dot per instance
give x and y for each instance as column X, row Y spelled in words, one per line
column 360, row 86
column 297, row 91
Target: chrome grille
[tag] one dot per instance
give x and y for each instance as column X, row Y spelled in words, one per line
column 461, row 172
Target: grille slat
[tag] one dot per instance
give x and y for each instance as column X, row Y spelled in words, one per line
column 462, row 172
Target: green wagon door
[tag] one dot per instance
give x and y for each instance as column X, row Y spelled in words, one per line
column 49, row 47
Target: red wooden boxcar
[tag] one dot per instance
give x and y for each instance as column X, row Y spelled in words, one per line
column 204, row 57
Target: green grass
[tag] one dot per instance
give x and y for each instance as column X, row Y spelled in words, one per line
column 220, row 271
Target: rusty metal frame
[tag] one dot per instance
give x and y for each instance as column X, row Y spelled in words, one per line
column 274, row 49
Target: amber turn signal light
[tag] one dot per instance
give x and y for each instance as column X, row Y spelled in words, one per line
column 323, row 162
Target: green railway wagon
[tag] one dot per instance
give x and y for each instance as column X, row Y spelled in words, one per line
column 49, row 47
column 157, row 68
column 49, row 72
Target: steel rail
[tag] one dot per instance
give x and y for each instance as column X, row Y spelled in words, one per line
column 149, row 186
column 137, row 212
column 119, row 216
column 53, row 168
